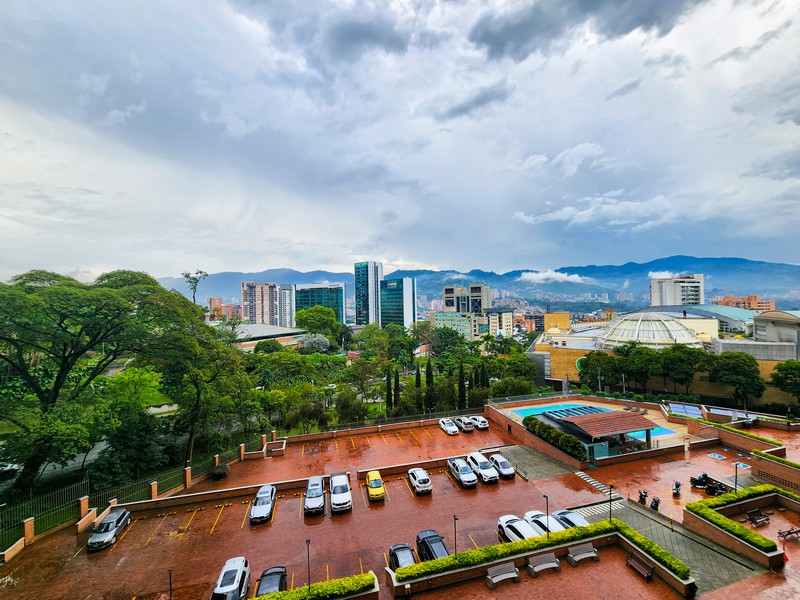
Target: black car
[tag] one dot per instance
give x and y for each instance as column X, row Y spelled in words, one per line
column 271, row 580
column 430, row 545
column 400, row 555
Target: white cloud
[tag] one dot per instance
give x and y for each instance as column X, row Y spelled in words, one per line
column 571, row 159
column 116, row 117
column 552, row 276
column 660, row 275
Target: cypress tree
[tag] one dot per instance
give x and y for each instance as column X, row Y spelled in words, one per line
column 471, row 381
column 396, row 387
column 419, row 378
column 388, row 388
column 462, row 390
column 428, row 373
column 484, row 377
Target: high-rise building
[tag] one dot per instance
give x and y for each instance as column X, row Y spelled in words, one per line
column 260, row 302
column 286, row 305
column 474, row 299
column 500, row 321
column 680, row 290
column 748, row 302
column 329, row 295
column 219, row 310
column 399, row 301
column 368, row 277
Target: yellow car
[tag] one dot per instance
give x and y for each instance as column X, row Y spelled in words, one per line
column 375, row 488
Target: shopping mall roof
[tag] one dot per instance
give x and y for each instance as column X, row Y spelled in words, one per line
column 735, row 317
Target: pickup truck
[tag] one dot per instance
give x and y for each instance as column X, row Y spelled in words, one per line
column 460, row 470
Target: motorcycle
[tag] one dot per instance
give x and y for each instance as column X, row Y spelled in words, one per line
column 655, row 503
column 712, row 489
column 676, row 489
column 700, row 482
column 643, row 497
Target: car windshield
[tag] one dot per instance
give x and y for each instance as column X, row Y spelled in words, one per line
column 341, row 489
column 375, row 483
column 484, row 465
column 504, row 464
column 404, row 556
column 465, row 469
column 422, row 480
column 105, row 527
column 262, row 501
column 314, row 493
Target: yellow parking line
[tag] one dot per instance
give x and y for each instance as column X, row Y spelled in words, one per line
column 337, row 444
column 194, row 512
column 327, row 573
column 353, row 442
column 408, row 485
column 219, row 514
column 246, row 510
column 124, row 533
column 473, row 541
column 364, row 495
column 362, row 565
column 81, row 550
column 303, row 450
column 428, row 432
column 291, row 587
column 155, row 530
column 386, row 560
column 398, row 437
column 300, row 514
column 274, row 510
column 386, row 491
column 415, row 437
column 384, row 440
column 368, row 441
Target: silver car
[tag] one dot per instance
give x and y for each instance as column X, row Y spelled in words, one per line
column 107, row 531
column 514, row 529
column 502, row 466
column 263, row 504
column 544, row 522
column 314, row 498
column 569, row 518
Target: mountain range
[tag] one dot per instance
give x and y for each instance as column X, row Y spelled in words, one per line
column 734, row 276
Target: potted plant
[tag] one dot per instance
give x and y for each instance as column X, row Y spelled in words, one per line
column 220, row 471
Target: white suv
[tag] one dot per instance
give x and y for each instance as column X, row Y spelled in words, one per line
column 234, row 580
column 461, row 471
column 482, row 467
column 341, row 498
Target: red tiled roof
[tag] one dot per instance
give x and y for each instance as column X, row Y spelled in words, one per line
column 610, row 423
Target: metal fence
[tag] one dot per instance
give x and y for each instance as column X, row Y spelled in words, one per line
column 203, row 466
column 227, row 456
column 130, row 492
column 169, row 479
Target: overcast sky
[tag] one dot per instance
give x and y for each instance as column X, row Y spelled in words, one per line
column 246, row 135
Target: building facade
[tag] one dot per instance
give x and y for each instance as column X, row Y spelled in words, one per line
column 684, row 290
column 474, row 299
column 329, row 295
column 500, row 321
column 219, row 310
column 260, row 303
column 368, row 277
column 286, row 305
column 748, row 302
column 399, row 301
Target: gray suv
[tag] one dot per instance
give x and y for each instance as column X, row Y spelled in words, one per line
column 107, row 531
column 314, row 498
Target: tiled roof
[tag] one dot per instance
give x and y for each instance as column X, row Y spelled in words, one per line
column 610, row 423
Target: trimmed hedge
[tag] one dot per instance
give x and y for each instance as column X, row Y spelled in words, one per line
column 327, row 590
column 706, row 509
column 777, row 459
column 740, row 432
column 561, row 440
column 488, row 554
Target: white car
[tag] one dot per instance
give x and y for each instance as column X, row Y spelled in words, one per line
column 419, row 481
column 234, row 580
column 462, row 472
column 569, row 518
column 464, row 424
column 482, row 467
column 263, row 504
column 543, row 522
column 502, row 466
column 448, row 426
column 341, row 497
column 514, row 529
column 479, row 422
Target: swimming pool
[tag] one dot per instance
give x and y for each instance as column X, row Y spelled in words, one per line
column 538, row 410
column 657, row 432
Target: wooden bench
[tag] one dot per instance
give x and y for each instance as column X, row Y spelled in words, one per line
column 793, row 531
column 542, row 562
column 640, row 566
column 756, row 517
column 500, row 572
column 579, row 552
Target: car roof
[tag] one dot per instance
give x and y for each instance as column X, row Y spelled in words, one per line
column 426, row 533
column 373, row 474
column 418, row 470
column 273, row 571
column 458, row 461
column 477, row 455
column 265, row 489
column 114, row 514
column 400, row 546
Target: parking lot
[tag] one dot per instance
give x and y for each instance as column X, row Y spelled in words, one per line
column 191, row 543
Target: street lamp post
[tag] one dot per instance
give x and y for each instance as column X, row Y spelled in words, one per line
column 308, row 560
column 610, row 489
column 736, row 477
column 455, row 534
column 170, row 584
column 547, row 517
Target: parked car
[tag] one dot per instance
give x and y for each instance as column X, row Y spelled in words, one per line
column 543, row 521
column 375, row 489
column 514, row 529
column 271, row 580
column 341, row 498
column 8, row 470
column 401, row 555
column 430, row 545
column 479, row 422
column 420, row 481
column 482, row 467
column 263, row 504
column 569, row 518
column 462, row 472
column 448, row 426
column 314, row 498
column 502, row 466
column 464, row 424
column 107, row 531
column 234, row 580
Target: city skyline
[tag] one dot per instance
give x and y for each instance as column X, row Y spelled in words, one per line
column 236, row 135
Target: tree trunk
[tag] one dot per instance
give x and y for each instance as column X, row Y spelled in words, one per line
column 30, row 470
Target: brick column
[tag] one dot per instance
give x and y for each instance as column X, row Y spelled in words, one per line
column 241, row 452
column 83, row 506
column 29, row 525
column 187, row 477
column 263, row 439
column 274, row 435
column 216, row 460
column 113, row 502
column 153, row 490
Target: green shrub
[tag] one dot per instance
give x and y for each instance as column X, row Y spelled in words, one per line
column 777, row 459
column 561, row 440
column 327, row 590
column 488, row 554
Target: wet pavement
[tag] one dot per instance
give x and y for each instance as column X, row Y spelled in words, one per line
column 195, row 542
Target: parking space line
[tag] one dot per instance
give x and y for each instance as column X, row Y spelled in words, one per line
column 386, row 560
column 364, row 494
column 415, row 437
column 155, row 530
column 386, row 491
column 219, row 514
column 81, row 550
column 194, row 512
column 292, row 586
column 303, row 450
column 327, row 573
column 368, row 441
column 335, row 441
column 124, row 533
column 353, row 442
column 408, row 485
column 300, row 513
column 398, row 437
column 428, row 432
column 361, row 562
column 274, row 510
column 473, row 541
column 246, row 510
column 384, row 440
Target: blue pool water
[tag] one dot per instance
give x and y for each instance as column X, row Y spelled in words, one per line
column 538, row 410
column 658, row 431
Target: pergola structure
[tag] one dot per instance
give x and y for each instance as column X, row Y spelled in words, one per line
column 602, row 425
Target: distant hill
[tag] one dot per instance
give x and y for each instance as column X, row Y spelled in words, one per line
column 735, row 276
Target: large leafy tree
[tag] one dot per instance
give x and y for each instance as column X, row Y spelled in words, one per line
column 57, row 336
column 680, row 363
column 640, row 364
column 600, row 368
column 445, row 339
column 739, row 371
column 322, row 320
column 786, row 377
